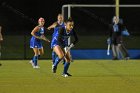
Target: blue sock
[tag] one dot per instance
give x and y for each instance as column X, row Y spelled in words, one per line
column 53, row 57
column 57, row 60
column 35, row 59
column 66, row 67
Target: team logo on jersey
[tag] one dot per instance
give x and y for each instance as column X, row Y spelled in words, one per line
column 41, row 30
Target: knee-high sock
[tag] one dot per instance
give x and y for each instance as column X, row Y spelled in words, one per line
column 57, row 60
column 66, row 67
column 35, row 59
column 53, row 57
column 117, row 51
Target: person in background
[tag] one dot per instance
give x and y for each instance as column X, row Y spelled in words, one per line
column 36, row 41
column 116, row 39
column 58, row 23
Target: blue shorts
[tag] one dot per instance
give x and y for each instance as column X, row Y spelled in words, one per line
column 54, row 43
column 35, row 43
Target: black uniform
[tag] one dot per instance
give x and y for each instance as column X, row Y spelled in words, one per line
column 117, row 42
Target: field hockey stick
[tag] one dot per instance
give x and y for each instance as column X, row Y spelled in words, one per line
column 68, row 49
column 47, row 40
column 44, row 38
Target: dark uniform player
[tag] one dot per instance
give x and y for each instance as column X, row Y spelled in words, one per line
column 59, row 42
column 116, row 39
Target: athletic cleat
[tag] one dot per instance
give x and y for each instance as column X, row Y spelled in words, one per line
column 32, row 63
column 54, row 69
column 36, row 67
column 66, row 75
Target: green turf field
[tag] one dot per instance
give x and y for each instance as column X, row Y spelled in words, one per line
column 89, row 76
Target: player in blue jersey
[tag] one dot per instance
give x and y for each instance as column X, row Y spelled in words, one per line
column 60, row 41
column 36, row 41
column 58, row 23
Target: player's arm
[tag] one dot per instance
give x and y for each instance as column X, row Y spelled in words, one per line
column 36, row 29
column 52, row 26
column 124, row 31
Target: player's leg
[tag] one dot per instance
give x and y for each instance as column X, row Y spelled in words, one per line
column 114, row 49
column 35, row 58
column 123, row 51
column 58, row 50
column 41, row 51
column 115, row 52
column 53, row 57
column 118, row 52
column 66, row 65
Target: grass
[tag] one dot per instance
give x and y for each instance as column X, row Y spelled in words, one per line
column 89, row 76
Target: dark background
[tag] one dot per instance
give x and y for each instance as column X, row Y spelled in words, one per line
column 40, row 8
column 19, row 17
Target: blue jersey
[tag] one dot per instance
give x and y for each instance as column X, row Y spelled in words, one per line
column 58, row 25
column 61, row 36
column 37, row 43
